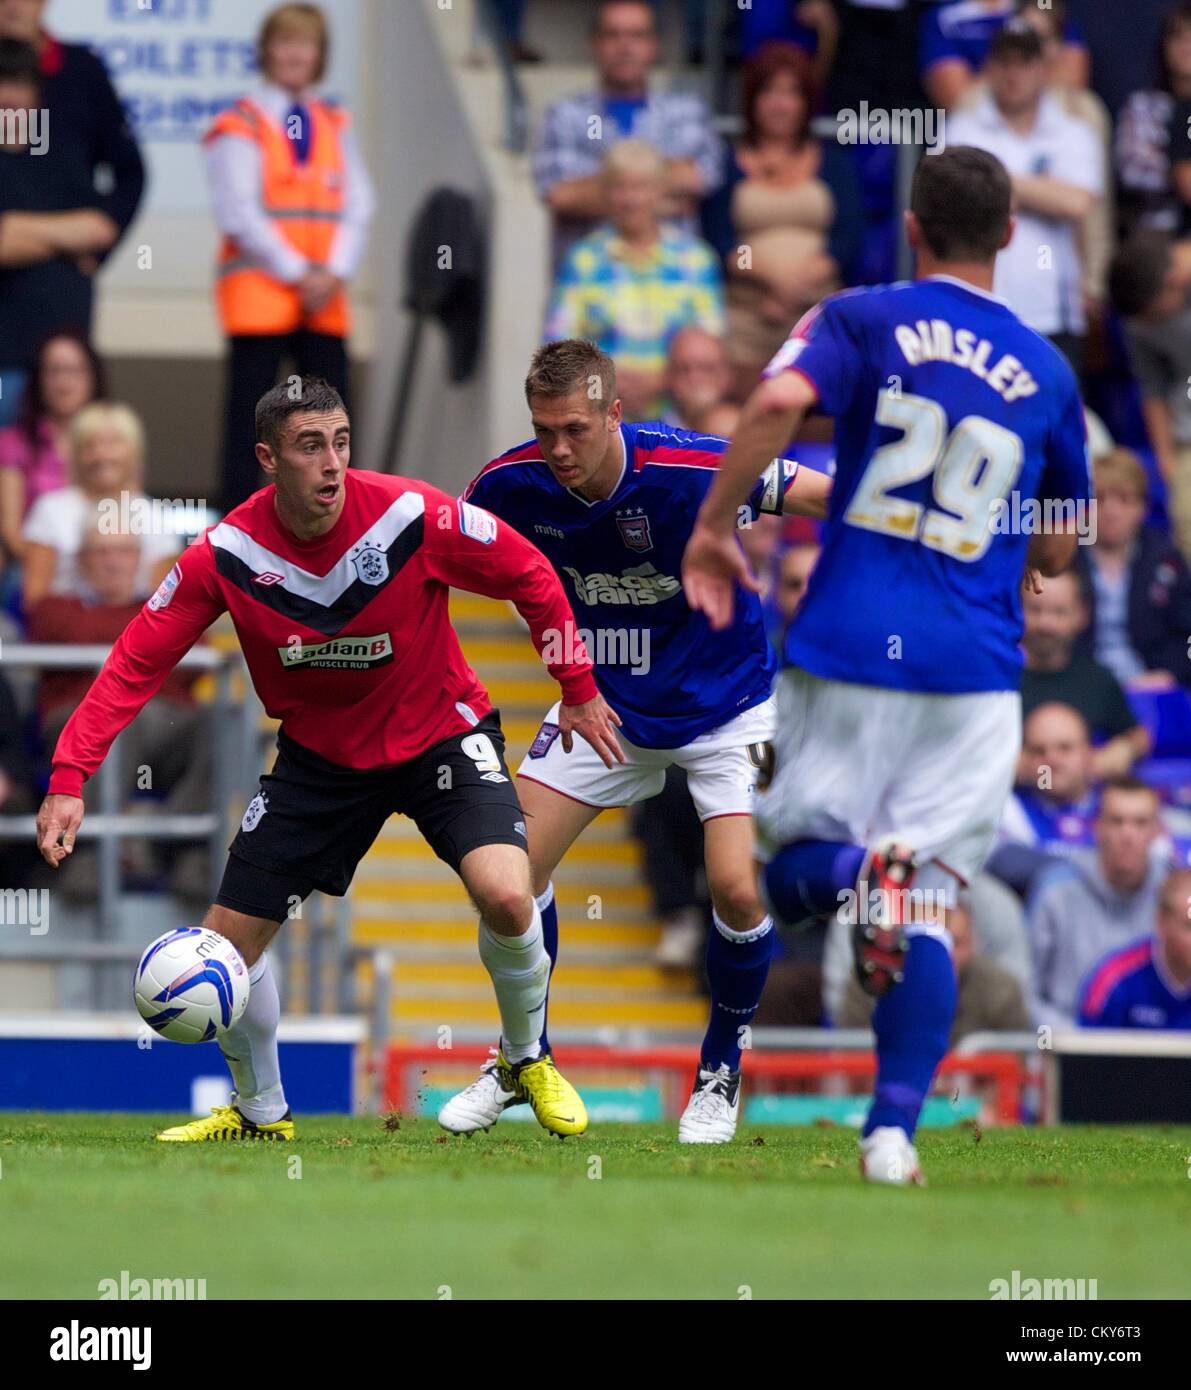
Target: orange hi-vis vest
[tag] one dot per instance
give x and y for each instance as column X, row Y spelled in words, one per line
column 305, row 203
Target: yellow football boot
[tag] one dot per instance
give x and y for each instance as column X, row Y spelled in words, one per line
column 555, row 1102
column 226, row 1122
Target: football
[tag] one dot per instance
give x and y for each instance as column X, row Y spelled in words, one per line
column 191, row 985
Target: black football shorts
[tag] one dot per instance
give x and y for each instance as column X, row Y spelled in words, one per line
column 312, row 821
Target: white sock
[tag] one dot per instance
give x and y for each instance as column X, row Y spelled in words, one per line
column 250, row 1049
column 520, row 970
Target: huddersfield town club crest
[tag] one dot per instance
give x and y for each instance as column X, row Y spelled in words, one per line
column 372, row 565
column 634, row 529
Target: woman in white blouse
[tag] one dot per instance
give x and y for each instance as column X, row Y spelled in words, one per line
column 106, row 448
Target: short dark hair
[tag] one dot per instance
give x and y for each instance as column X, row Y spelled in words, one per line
column 597, row 18
column 1016, row 40
column 19, row 63
column 962, row 198
column 1127, row 784
column 310, row 394
column 1138, row 271
column 561, row 367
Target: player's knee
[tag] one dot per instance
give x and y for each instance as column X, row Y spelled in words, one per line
column 507, row 908
column 249, row 935
column 738, row 903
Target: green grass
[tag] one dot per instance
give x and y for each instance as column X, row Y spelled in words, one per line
column 399, row 1214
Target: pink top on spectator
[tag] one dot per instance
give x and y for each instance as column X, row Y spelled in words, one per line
column 43, row 468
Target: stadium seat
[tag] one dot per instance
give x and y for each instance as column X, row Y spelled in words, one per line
column 1166, row 714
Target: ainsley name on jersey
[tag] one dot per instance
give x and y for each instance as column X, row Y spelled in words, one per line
column 935, row 340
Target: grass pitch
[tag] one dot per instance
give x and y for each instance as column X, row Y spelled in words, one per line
column 622, row 1212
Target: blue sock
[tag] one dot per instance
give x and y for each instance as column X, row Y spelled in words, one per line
column 737, row 967
column 546, row 906
column 806, row 879
column 913, row 1024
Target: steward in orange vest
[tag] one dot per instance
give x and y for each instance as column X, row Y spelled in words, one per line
column 305, row 202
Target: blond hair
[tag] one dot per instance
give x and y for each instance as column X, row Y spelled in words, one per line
column 561, row 367
column 1121, row 468
column 308, row 21
column 113, row 415
column 634, row 157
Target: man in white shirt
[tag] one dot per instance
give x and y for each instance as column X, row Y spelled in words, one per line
column 1056, row 167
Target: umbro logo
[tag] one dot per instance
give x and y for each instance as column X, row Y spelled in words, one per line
column 268, row 577
column 493, row 777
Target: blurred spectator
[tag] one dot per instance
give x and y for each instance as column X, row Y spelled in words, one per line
column 998, row 927
column 107, row 448
column 51, row 230
column 1057, row 170
column 812, row 25
column 990, row 999
column 168, row 738
column 698, row 379
column 18, row 791
column 786, row 216
column 293, row 201
column 671, row 837
column 1147, row 984
column 1146, row 132
column 955, row 39
column 630, row 286
column 1097, row 232
column 1095, row 900
column 1138, row 587
column 1053, row 804
column 794, row 565
column 66, row 376
column 1054, row 801
column 1055, row 672
column 1151, row 289
column 511, row 16
column 576, row 133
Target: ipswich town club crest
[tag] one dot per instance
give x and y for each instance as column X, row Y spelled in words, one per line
column 634, row 529
column 372, row 565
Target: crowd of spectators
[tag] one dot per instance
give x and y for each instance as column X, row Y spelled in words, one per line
column 690, row 264
column 687, row 247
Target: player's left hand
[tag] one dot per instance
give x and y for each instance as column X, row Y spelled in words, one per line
column 712, row 564
column 592, row 720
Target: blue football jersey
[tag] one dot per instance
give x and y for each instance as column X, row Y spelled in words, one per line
column 657, row 663
column 1130, row 989
column 958, row 431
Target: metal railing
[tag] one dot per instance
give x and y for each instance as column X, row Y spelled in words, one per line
column 235, row 766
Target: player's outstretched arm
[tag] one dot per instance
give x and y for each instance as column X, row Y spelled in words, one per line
column 58, row 824
column 808, row 495
column 713, row 563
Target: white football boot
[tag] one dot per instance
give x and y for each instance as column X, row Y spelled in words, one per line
column 713, row 1109
column 479, row 1105
column 888, row 1156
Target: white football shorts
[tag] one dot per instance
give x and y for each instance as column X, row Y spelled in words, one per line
column 721, row 766
column 855, row 762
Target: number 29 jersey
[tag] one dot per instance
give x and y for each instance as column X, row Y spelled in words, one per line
column 958, row 433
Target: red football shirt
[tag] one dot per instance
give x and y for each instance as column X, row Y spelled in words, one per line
column 347, row 637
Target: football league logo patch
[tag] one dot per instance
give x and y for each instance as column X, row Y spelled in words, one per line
column 634, row 529
column 372, row 565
